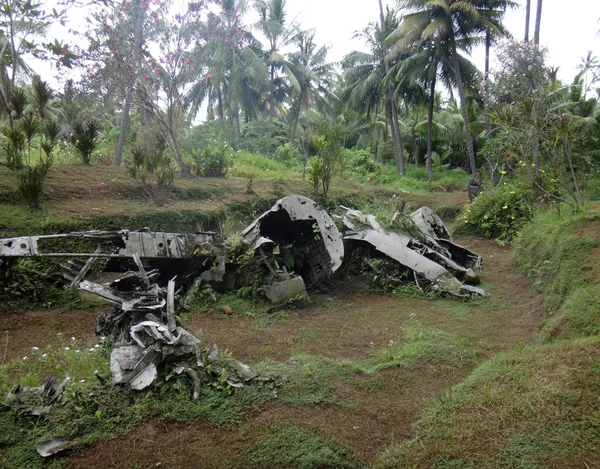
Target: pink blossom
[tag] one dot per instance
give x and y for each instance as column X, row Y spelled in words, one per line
column 530, row 68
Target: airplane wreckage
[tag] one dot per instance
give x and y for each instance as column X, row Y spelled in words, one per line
column 294, row 246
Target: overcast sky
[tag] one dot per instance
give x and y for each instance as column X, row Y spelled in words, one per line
column 568, row 27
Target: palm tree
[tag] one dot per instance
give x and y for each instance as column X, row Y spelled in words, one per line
column 527, row 19
column 314, row 75
column 364, row 74
column 426, row 65
column 454, row 25
column 493, row 11
column 589, row 62
column 274, row 26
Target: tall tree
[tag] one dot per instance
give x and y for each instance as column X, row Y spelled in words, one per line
column 493, row 11
column 527, row 19
column 23, row 25
column 538, row 21
column 364, row 74
column 393, row 109
column 314, row 74
column 424, row 62
column 273, row 24
column 458, row 24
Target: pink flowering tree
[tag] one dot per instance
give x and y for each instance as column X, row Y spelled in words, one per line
column 117, row 41
column 168, row 72
column 519, row 96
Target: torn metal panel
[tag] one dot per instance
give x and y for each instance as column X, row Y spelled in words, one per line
column 290, row 288
column 318, row 248
column 428, row 251
column 392, row 245
column 119, row 244
column 430, row 224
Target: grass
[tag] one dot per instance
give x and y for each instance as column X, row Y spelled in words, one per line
column 95, row 412
column 537, row 406
column 302, row 448
column 311, row 380
column 534, row 408
column 559, row 253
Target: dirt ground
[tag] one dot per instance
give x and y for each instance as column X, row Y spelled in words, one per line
column 339, row 324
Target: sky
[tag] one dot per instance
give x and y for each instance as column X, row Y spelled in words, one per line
column 568, row 29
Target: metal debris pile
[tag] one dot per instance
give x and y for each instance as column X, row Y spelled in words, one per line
column 296, row 243
column 421, row 248
column 143, row 329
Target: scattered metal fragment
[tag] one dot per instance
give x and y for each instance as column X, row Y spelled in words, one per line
column 37, row 400
column 142, row 325
column 51, row 447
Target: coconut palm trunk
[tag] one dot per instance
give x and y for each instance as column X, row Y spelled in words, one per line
column 527, row 19
column 488, row 123
column 464, row 111
column 430, row 105
column 137, row 49
column 538, row 20
column 393, row 110
column 297, row 115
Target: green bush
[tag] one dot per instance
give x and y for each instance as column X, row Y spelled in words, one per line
column 287, row 153
column 210, row 133
column 498, row 212
column 212, row 161
column 153, row 168
column 84, row 139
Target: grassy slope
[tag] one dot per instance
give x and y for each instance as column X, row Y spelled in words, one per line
column 539, row 406
column 104, row 197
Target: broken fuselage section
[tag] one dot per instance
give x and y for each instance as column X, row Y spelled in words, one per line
column 295, row 244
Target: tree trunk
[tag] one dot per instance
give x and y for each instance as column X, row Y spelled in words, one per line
column 486, row 110
column 220, row 102
column 177, row 152
column 527, row 16
column 137, row 49
column 464, row 112
column 123, row 127
column 430, row 129
column 297, row 116
column 538, row 20
column 396, row 137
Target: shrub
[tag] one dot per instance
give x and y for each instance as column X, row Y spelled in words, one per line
column 286, row 153
column 153, row 168
column 210, row 133
column 498, row 212
column 259, row 165
column 211, row 161
column 84, row 139
column 19, row 153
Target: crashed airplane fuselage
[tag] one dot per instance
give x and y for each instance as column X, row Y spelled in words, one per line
column 296, row 241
